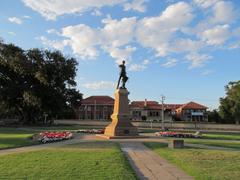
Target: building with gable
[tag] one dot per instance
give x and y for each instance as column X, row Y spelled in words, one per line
column 192, row 112
column 101, row 108
column 95, row 108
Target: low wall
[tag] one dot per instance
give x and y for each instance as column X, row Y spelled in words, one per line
column 175, row 125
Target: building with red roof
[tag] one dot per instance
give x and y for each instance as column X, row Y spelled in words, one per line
column 101, row 108
column 96, row 108
column 152, row 111
column 147, row 111
column 192, row 112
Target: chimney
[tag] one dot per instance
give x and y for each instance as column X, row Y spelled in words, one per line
column 145, row 103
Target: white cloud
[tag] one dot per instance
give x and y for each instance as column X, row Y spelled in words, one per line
column 118, row 33
column 96, row 12
column 121, row 54
column 186, row 45
column 156, row 32
column 116, row 36
column 54, row 8
column 217, row 35
column 59, row 45
column 52, row 31
column 205, row 3
column 82, row 40
column 223, row 12
column 12, row 33
column 146, row 62
column 197, row 60
column 85, row 40
column 139, row 67
column 207, row 72
column 136, row 5
column 235, row 45
column 99, row 85
column 171, row 62
column 236, row 32
column 27, row 17
column 170, row 32
column 15, row 20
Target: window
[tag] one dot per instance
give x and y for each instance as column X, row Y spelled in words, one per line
column 89, row 108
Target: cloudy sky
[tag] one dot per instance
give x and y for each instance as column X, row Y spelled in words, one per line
column 185, row 50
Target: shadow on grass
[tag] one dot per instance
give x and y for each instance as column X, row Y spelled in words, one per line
column 157, row 145
column 6, row 143
column 93, row 145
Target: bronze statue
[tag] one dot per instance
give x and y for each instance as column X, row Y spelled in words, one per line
column 122, row 75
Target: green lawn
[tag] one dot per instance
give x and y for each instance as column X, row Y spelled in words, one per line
column 17, row 137
column 202, row 164
column 15, row 140
column 218, row 143
column 10, row 137
column 222, row 136
column 92, row 160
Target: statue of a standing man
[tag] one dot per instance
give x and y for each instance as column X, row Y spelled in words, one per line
column 122, row 75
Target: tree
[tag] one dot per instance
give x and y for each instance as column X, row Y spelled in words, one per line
column 229, row 108
column 35, row 82
column 213, row 116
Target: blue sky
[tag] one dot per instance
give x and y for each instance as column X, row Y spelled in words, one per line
column 186, row 50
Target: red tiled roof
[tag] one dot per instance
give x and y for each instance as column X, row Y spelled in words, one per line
column 154, row 105
column 173, row 106
column 141, row 103
column 98, row 100
column 150, row 104
column 193, row 105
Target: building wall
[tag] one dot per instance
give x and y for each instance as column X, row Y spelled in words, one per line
column 192, row 114
column 149, row 115
column 147, row 111
column 95, row 112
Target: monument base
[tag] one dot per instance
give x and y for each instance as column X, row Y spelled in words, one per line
column 121, row 125
column 120, row 137
column 120, row 129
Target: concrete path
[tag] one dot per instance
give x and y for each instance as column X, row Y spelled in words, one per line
column 149, row 165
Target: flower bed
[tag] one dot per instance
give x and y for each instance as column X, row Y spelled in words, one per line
column 178, row 135
column 46, row 137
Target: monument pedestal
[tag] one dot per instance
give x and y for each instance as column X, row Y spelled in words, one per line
column 121, row 126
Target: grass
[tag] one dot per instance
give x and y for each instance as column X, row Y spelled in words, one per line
column 92, row 160
column 18, row 137
column 222, row 136
column 10, row 138
column 15, row 140
column 227, row 144
column 202, row 164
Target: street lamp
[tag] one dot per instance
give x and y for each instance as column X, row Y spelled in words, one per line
column 162, row 100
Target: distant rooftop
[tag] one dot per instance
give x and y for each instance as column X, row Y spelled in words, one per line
column 155, row 105
column 98, row 100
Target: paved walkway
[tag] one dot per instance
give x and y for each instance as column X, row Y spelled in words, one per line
column 149, row 165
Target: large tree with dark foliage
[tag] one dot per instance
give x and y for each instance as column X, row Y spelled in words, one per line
column 35, row 82
column 213, row 116
column 229, row 108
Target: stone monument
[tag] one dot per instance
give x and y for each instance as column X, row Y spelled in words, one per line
column 121, row 126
